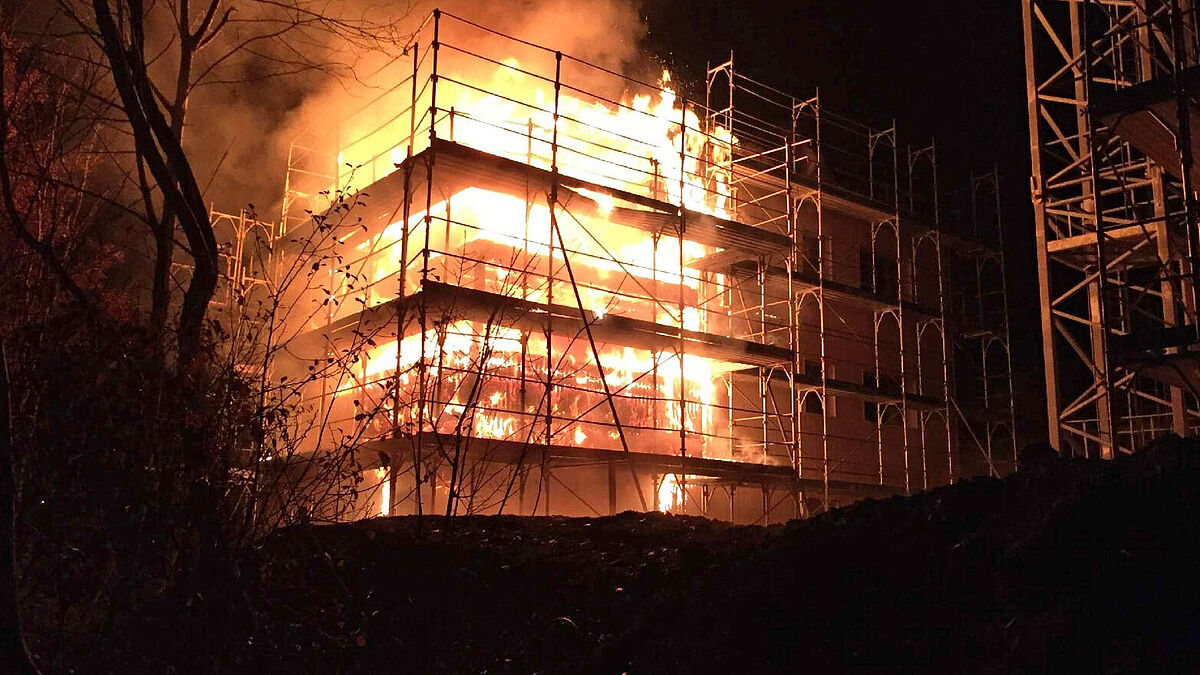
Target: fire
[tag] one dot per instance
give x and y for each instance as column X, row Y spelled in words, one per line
column 670, row 493
column 647, row 142
column 385, row 491
column 487, row 381
column 468, row 354
column 597, row 142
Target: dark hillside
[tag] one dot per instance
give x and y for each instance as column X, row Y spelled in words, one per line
column 1068, row 566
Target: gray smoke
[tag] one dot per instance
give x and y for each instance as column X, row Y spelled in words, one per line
column 242, row 123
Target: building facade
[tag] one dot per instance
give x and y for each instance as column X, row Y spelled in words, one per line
column 551, row 289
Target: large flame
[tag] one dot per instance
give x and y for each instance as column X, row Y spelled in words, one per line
column 503, row 243
column 649, row 142
column 670, row 494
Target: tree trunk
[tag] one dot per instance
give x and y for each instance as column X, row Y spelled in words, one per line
column 14, row 657
column 159, row 146
column 160, row 300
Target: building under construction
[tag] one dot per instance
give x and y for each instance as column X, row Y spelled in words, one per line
column 567, row 291
column 1112, row 98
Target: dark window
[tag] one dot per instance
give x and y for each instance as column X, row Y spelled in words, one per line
column 812, row 404
column 811, row 250
column 889, row 384
column 891, row 414
column 871, row 410
column 866, row 269
column 812, row 368
column 887, row 285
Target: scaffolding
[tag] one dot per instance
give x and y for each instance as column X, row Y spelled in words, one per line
column 1111, row 95
column 983, row 403
column 563, row 277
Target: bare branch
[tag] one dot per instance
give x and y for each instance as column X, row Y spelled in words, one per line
column 17, row 220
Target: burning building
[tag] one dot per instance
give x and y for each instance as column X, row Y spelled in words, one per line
column 551, row 288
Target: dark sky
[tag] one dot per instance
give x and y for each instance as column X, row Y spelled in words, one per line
column 953, row 71
column 950, row 70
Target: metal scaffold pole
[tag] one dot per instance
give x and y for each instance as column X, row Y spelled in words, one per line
column 899, row 310
column 547, row 469
column 1105, row 86
column 794, row 300
column 682, row 228
column 423, row 402
column 822, row 273
column 931, row 237
column 991, row 182
column 1098, row 293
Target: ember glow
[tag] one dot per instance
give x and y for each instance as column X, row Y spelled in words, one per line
column 385, row 491
column 670, row 493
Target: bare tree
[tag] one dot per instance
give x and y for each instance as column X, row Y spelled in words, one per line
column 159, row 145
column 13, row 654
column 154, row 56
column 92, row 122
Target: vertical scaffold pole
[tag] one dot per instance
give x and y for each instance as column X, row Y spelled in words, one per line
column 546, row 468
column 423, row 310
column 406, row 214
column 941, row 271
column 1098, row 292
column 682, row 480
column 1012, row 409
column 899, row 309
column 1183, row 141
column 1041, row 224
column 793, row 303
column 822, row 271
column 945, row 340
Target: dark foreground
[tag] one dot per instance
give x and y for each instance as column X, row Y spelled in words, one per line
column 1063, row 567
column 1070, row 566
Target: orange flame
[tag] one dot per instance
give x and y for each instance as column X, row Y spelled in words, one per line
column 648, row 144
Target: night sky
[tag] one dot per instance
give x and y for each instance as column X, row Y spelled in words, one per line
column 952, row 71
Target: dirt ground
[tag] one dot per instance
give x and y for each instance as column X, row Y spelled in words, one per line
column 1067, row 566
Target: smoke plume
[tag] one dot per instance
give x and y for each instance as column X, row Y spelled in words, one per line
column 242, row 125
